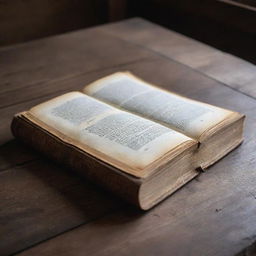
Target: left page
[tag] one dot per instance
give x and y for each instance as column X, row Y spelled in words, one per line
column 125, row 137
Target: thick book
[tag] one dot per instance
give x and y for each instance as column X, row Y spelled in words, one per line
column 137, row 140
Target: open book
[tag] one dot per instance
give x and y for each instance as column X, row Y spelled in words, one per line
column 135, row 139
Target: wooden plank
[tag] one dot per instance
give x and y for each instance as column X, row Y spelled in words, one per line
column 212, row 215
column 63, row 56
column 218, row 65
column 53, row 86
column 40, row 200
column 163, row 231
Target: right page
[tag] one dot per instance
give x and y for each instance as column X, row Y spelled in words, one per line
column 128, row 92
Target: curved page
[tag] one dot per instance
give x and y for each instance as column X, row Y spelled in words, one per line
column 182, row 114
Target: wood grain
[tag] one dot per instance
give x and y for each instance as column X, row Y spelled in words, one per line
column 212, row 215
column 40, row 200
column 203, row 58
column 61, row 57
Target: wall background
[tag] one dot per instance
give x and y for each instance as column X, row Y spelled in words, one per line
column 229, row 25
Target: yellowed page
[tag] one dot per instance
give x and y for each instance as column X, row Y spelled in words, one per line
column 126, row 91
column 123, row 136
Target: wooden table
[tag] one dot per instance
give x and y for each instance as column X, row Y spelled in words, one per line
column 46, row 209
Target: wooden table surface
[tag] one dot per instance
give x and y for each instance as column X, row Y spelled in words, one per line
column 46, row 209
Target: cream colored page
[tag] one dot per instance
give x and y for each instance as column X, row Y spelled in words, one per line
column 187, row 116
column 123, row 136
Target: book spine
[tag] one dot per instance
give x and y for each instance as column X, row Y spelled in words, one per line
column 92, row 168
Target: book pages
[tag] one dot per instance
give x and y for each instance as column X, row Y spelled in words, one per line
column 120, row 135
column 132, row 94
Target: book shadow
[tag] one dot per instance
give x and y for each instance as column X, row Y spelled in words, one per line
column 13, row 154
column 87, row 198
column 44, row 199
